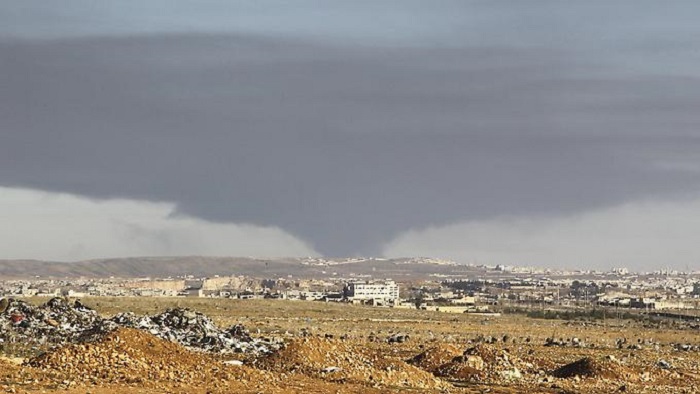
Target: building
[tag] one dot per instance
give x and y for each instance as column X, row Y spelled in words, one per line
column 660, row 304
column 192, row 292
column 366, row 291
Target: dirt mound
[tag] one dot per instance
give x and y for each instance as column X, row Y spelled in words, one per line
column 133, row 356
column 432, row 359
column 8, row 368
column 483, row 363
column 342, row 361
column 588, row 367
column 11, row 374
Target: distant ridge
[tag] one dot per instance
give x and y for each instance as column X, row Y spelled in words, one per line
column 200, row 266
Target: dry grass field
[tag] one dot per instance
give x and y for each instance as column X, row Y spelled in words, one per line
column 277, row 316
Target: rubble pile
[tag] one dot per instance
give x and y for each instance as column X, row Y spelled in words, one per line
column 342, row 361
column 589, row 367
column 196, row 331
column 485, row 364
column 52, row 324
column 135, row 357
column 435, row 357
column 35, row 329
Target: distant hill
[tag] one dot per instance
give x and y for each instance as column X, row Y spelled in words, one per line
column 198, row 266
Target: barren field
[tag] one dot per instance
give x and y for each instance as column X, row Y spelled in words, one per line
column 339, row 348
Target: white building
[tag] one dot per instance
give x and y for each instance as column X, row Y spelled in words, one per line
column 387, row 291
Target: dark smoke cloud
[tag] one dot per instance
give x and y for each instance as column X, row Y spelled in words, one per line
column 345, row 146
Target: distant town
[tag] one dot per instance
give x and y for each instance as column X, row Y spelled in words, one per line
column 479, row 289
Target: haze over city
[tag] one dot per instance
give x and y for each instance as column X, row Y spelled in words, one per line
column 542, row 133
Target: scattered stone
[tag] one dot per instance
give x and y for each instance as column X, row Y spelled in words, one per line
column 398, row 338
column 350, row 361
column 432, row 359
column 135, row 357
column 484, row 364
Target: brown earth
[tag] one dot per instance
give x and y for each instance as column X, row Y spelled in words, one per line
column 432, row 359
column 447, row 345
column 346, row 361
column 133, row 356
column 483, row 363
column 129, row 360
column 588, row 367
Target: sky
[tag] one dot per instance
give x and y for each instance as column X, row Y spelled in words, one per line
column 549, row 133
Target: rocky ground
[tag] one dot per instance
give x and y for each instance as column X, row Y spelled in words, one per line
column 224, row 346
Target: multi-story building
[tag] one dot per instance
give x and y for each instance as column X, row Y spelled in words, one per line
column 386, row 291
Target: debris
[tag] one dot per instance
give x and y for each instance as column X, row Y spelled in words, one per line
column 47, row 326
column 16, row 317
column 512, row 374
column 57, row 322
column 398, row 338
column 685, row 347
column 196, row 331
